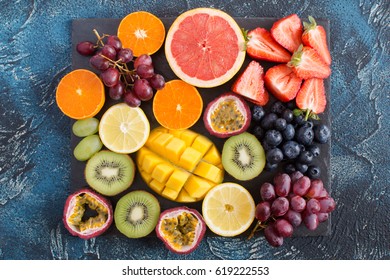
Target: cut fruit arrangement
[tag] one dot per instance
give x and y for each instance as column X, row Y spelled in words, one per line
column 174, row 159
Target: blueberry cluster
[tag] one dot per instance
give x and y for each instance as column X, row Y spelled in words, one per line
column 289, row 138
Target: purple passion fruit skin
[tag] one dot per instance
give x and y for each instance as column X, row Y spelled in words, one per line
column 181, row 229
column 75, row 207
column 227, row 115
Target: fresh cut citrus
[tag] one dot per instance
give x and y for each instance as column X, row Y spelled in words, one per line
column 205, row 47
column 142, row 32
column 178, row 105
column 124, row 129
column 80, row 94
column 228, row 209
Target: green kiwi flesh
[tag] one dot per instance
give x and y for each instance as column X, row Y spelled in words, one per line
column 109, row 173
column 243, row 156
column 136, row 214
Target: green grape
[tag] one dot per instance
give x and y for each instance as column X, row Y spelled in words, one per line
column 86, row 127
column 87, row 147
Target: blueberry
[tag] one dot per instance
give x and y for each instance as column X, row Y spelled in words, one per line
column 291, row 149
column 291, row 104
column 315, row 150
column 307, row 124
column 290, row 168
column 280, row 124
column 257, row 113
column 313, row 172
column 273, row 137
column 288, row 115
column 289, row 132
column 266, row 146
column 271, row 166
column 301, row 167
column 305, row 135
column 305, row 157
column 321, row 133
column 277, row 107
column 299, row 119
column 274, row 155
column 267, row 122
column 258, row 132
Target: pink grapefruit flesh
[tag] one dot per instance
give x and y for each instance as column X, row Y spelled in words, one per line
column 205, row 47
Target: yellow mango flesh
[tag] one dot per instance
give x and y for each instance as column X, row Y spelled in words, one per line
column 180, row 165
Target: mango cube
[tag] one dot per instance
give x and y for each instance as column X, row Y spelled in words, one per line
column 197, row 187
column 184, row 197
column 177, row 180
column 145, row 176
column 150, row 161
column 169, row 193
column 190, row 159
column 158, row 145
column 156, row 186
column 162, row 172
column 174, row 149
column 213, row 156
column 188, row 137
column 209, row 172
column 202, row 144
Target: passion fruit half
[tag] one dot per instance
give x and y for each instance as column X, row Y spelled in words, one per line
column 181, row 229
column 87, row 214
column 227, row 115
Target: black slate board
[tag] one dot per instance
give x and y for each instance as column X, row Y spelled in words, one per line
column 82, row 31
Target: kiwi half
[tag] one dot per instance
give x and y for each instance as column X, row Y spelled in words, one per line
column 136, row 214
column 243, row 156
column 109, row 173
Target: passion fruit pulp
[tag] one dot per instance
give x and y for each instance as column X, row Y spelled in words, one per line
column 87, row 214
column 227, row 115
column 181, row 229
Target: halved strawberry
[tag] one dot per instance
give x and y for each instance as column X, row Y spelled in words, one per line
column 282, row 82
column 250, row 84
column 315, row 36
column 287, row 32
column 311, row 97
column 262, row 46
column 307, row 63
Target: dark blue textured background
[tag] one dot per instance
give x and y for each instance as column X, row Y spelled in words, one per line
column 35, row 152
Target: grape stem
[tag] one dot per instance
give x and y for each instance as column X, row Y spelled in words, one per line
column 259, row 226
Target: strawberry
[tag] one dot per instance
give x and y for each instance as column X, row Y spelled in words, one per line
column 282, row 82
column 311, row 97
column 262, row 46
column 250, row 84
column 307, row 63
column 287, row 32
column 315, row 36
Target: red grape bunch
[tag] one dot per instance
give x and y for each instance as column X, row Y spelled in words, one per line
column 291, row 200
column 132, row 84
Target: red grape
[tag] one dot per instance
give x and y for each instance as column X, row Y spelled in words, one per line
column 283, row 228
column 263, row 211
column 116, row 92
column 115, row 42
column 316, row 188
column 282, row 183
column 131, row 99
column 110, row 77
column 272, row 237
column 143, row 90
column 145, row 71
column 327, row 204
column 143, row 59
column 301, row 186
column 157, row 81
column 295, row 176
column 313, row 206
column 109, row 52
column 311, row 221
column 86, row 48
column 125, row 55
column 267, row 192
column 297, row 203
column 322, row 217
column 98, row 62
column 279, row 206
column 293, row 217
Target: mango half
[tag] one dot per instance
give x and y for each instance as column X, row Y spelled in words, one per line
column 180, row 165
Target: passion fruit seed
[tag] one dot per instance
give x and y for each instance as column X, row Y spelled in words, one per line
column 180, row 230
column 227, row 117
column 76, row 218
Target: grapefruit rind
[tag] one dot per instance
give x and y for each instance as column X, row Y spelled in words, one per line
column 193, row 79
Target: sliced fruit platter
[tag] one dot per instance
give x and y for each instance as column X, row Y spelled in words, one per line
column 198, row 125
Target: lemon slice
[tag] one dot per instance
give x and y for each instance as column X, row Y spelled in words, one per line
column 228, row 209
column 124, row 129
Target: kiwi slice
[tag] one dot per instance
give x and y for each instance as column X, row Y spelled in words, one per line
column 243, row 156
column 136, row 214
column 109, row 173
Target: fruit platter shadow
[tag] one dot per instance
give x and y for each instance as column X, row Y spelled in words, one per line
column 82, row 29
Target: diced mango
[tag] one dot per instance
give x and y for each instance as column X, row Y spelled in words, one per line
column 156, row 186
column 190, row 159
column 213, row 156
column 176, row 132
column 177, row 180
column 162, row 172
column 185, row 197
column 197, row 187
column 188, row 136
column 169, row 193
column 209, row 172
column 145, row 176
column 158, row 145
column 141, row 155
column 150, row 161
column 202, row 144
column 174, row 149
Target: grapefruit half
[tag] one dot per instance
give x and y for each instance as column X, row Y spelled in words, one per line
column 205, row 47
